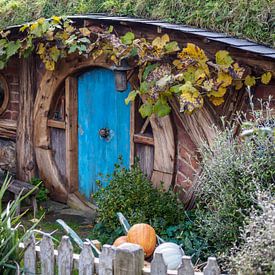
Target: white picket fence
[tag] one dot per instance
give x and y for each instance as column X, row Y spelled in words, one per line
column 111, row 261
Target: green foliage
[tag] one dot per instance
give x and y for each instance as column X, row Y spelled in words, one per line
column 42, row 194
column 232, row 171
column 131, row 193
column 162, row 64
column 250, row 19
column 11, row 233
column 256, row 254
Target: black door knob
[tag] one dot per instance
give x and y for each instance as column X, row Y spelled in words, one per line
column 104, row 132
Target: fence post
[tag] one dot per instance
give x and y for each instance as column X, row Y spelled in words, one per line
column 186, row 267
column 129, row 260
column 106, row 259
column 158, row 266
column 65, row 257
column 30, row 256
column 212, row 267
column 47, row 256
column 86, row 260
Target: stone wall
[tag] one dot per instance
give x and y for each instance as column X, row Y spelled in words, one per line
column 7, row 156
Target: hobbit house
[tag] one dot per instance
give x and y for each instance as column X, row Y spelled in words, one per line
column 68, row 122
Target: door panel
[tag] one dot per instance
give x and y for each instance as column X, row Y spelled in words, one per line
column 100, row 106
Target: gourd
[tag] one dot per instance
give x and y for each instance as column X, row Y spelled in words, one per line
column 120, row 240
column 172, row 254
column 143, row 235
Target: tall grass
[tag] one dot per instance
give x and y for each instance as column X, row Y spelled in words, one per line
column 251, row 19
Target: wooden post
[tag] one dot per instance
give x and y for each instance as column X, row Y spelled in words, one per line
column 65, row 256
column 25, row 155
column 129, row 260
column 212, row 267
column 71, row 133
column 30, row 256
column 158, row 266
column 47, row 256
column 186, row 267
column 86, row 260
column 106, row 259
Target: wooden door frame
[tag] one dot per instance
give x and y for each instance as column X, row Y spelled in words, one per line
column 49, row 85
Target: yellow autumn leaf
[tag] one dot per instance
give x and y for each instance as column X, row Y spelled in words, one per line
column 85, row 31
column 250, row 80
column 220, row 93
column 69, row 29
column 266, row 77
column 41, row 49
column 33, row 26
column 224, row 79
column 194, row 52
column 224, row 59
column 177, row 64
column 50, row 65
column 41, row 20
column 24, row 27
column 217, row 100
column 160, row 42
column 238, row 84
column 56, row 19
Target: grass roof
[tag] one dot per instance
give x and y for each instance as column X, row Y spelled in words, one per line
column 251, row 19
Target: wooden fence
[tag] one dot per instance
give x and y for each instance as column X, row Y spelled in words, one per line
column 45, row 260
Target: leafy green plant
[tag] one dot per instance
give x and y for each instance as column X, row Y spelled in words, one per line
column 255, row 255
column 42, row 194
column 131, row 193
column 11, row 233
column 166, row 70
column 233, row 170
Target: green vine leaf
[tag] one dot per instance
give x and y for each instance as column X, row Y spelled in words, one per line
column 161, row 108
column 131, row 96
column 146, row 109
column 224, row 59
column 128, row 38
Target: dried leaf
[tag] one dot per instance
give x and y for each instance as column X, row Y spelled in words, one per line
column 266, row 77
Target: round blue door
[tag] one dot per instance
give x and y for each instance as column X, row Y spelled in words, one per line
column 103, row 128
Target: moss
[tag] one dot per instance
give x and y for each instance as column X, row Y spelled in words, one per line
column 251, row 19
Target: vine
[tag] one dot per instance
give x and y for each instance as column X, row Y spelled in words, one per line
column 165, row 69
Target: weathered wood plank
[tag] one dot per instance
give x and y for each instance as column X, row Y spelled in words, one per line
column 65, row 257
column 165, row 178
column 86, row 260
column 145, row 154
column 56, row 124
column 129, row 260
column 212, row 267
column 58, row 144
column 47, row 256
column 143, row 139
column 26, row 163
column 106, row 259
column 71, row 133
column 30, row 256
column 158, row 266
column 8, row 128
column 186, row 267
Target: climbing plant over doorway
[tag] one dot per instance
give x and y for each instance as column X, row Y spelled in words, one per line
column 165, row 68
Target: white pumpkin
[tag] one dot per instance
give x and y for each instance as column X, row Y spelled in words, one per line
column 172, row 254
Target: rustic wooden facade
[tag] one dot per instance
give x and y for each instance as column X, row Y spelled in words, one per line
column 39, row 122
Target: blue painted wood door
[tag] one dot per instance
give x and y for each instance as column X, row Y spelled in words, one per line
column 100, row 106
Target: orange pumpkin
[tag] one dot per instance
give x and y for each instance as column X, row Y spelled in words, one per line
column 143, row 235
column 120, row 240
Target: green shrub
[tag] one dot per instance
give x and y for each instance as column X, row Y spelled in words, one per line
column 257, row 253
column 42, row 194
column 11, row 233
column 131, row 193
column 233, row 169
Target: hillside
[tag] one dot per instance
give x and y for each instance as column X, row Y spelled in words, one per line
column 251, row 19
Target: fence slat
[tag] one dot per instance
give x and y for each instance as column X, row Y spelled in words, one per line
column 129, row 260
column 86, row 260
column 47, row 256
column 158, row 266
column 65, row 256
column 186, row 267
column 106, row 259
column 212, row 267
column 30, row 256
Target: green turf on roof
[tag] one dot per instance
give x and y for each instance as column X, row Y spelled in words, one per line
column 251, row 19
